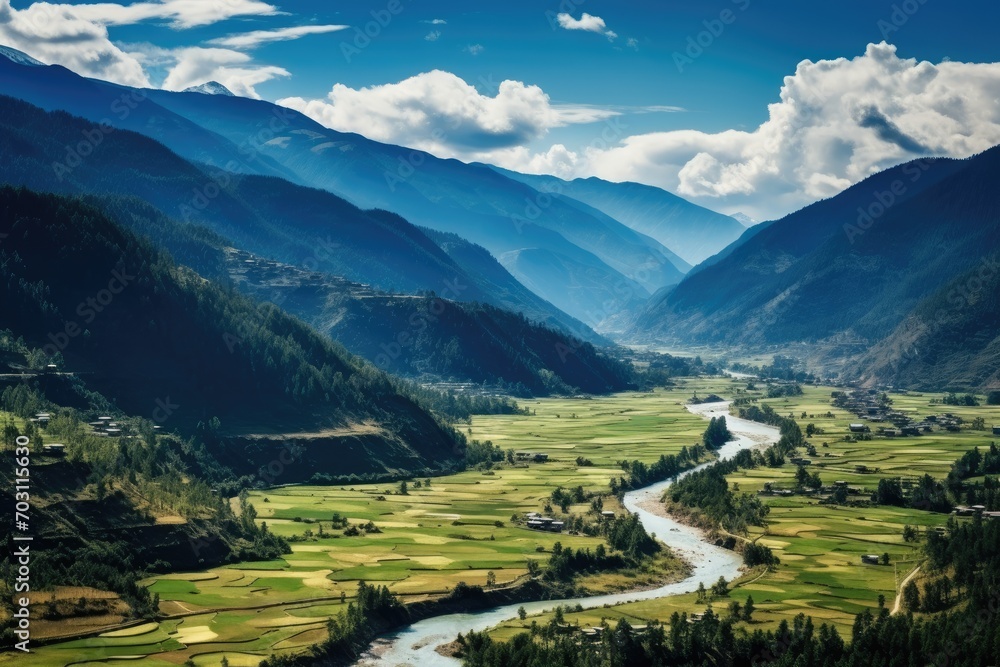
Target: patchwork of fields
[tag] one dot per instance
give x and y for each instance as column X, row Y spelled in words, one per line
column 820, row 546
column 458, row 529
column 428, row 541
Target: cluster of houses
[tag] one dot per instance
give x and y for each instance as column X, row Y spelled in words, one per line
column 595, row 633
column 869, row 406
column 531, row 456
column 973, row 510
column 538, row 522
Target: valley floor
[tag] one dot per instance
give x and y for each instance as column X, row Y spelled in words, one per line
column 458, row 529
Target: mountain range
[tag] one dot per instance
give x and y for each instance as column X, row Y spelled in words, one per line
column 867, row 268
column 612, row 267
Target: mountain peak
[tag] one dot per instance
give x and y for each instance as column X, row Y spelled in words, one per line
column 744, row 219
column 19, row 57
column 210, row 88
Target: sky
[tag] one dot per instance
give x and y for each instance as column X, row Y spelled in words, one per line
column 750, row 106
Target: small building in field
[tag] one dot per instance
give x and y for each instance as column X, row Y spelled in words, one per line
column 858, row 428
column 996, row 430
column 869, row 559
column 608, row 514
column 991, row 515
column 54, row 449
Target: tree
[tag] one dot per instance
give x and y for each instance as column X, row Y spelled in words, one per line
column 403, row 488
column 717, row 434
column 701, row 591
column 721, row 587
column 491, row 579
column 533, row 567
column 885, row 558
column 910, row 534
column 522, row 613
column 225, row 662
column 911, row 597
column 748, row 609
column 735, row 611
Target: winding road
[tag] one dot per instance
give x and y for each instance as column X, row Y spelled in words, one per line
column 415, row 645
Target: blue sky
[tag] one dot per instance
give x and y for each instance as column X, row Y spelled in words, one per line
column 608, row 71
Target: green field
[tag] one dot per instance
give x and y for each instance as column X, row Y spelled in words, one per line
column 430, row 539
column 820, row 546
column 438, row 536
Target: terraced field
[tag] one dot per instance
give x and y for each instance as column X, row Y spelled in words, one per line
column 436, row 536
column 820, row 546
column 456, row 530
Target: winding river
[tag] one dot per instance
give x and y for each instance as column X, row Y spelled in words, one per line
column 415, row 645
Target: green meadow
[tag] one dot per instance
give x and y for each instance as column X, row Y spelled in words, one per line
column 819, row 545
column 458, row 529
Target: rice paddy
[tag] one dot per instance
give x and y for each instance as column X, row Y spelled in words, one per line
column 458, row 529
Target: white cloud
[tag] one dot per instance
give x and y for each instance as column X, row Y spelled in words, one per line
column 76, row 36
column 436, row 22
column 255, row 38
column 439, row 112
column 56, row 34
column 586, row 22
column 180, row 13
column 836, row 122
column 433, row 35
column 232, row 69
column 474, row 49
column 632, row 43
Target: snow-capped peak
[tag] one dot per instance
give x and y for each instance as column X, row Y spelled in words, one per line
column 210, row 88
column 19, row 57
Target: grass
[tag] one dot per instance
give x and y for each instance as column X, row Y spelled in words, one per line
column 431, row 539
column 820, row 546
column 435, row 537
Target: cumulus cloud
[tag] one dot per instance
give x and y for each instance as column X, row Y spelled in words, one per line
column 178, row 13
column 474, row 49
column 436, row 22
column 433, row 35
column 439, row 112
column 76, row 36
column 835, row 123
column 233, row 69
column 57, row 34
column 256, row 38
column 586, row 22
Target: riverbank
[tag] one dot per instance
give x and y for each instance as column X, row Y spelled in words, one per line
column 416, row 645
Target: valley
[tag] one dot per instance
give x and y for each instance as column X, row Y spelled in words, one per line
column 473, row 353
column 467, row 529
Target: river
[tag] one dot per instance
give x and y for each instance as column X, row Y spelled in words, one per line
column 414, row 646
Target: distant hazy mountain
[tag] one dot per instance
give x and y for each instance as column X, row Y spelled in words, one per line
column 744, row 219
column 691, row 231
column 268, row 216
column 856, row 265
column 253, row 136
